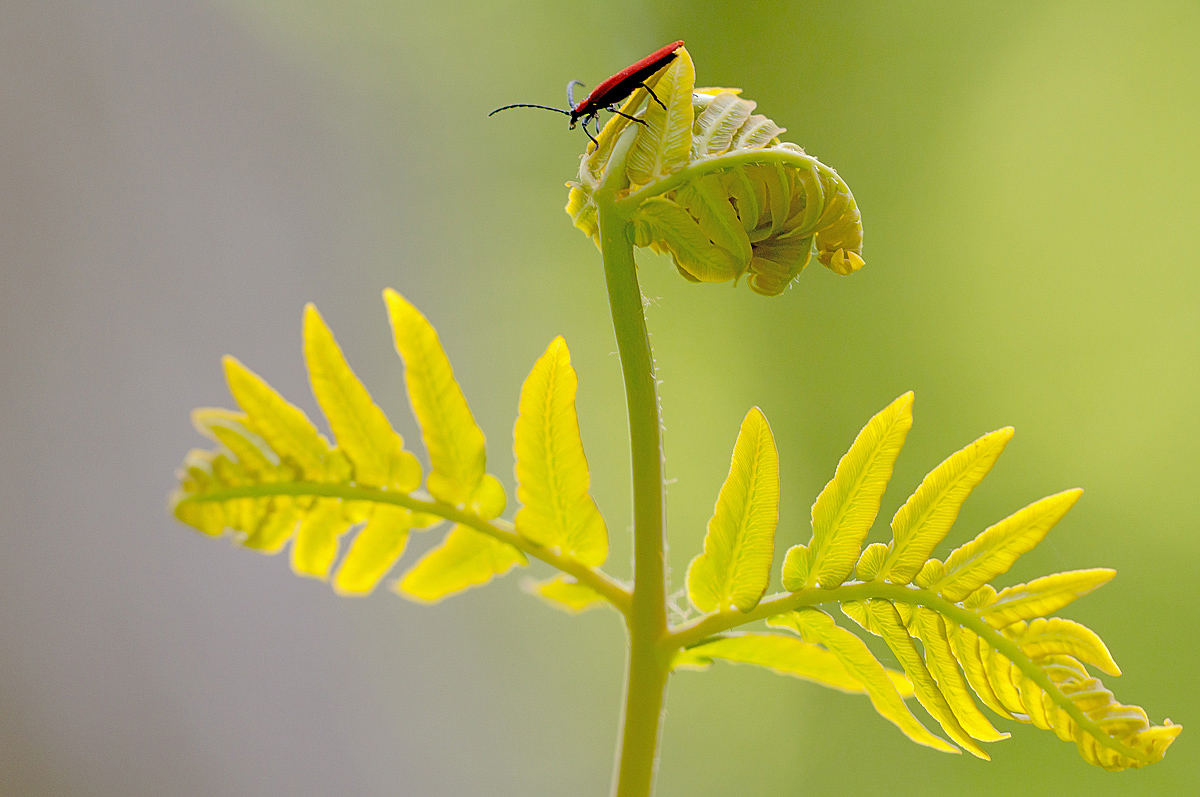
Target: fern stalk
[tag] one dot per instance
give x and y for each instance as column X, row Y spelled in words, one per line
column 498, row 529
column 647, row 669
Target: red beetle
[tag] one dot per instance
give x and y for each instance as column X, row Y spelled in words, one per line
column 610, row 91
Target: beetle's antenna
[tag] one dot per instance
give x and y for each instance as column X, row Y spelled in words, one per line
column 571, row 92
column 526, row 105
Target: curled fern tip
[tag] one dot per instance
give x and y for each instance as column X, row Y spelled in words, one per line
column 703, row 178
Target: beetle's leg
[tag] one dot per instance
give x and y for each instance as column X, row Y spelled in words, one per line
column 655, row 96
column 613, row 109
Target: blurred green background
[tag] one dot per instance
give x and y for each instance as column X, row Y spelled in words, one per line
column 178, row 178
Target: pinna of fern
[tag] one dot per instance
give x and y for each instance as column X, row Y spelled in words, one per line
column 1002, row 646
column 275, row 478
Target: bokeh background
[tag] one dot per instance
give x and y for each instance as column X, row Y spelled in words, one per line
column 178, row 177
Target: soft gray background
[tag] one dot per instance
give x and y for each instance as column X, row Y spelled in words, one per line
column 178, row 178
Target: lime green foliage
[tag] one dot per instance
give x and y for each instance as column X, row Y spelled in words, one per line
column 567, row 594
column 999, row 646
column 711, row 184
column 707, row 180
column 277, row 478
column 736, row 564
column 552, row 471
column 844, row 511
column 788, row 655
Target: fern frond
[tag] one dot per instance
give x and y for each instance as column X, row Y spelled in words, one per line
column 276, row 478
column 925, row 518
column 1001, row 647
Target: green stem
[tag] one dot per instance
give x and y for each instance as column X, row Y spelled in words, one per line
column 597, row 580
column 648, row 668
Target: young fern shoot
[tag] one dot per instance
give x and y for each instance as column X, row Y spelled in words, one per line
column 697, row 174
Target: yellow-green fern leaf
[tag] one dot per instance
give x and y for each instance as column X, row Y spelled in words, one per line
column 788, row 655
column 268, row 522
column 552, row 472
column 229, row 429
column 376, row 548
column 735, row 567
column 817, row 627
column 931, row 629
column 1056, row 636
column 695, row 255
column 565, row 593
column 283, row 425
column 1043, row 596
column 892, row 628
column 454, row 441
column 1066, row 699
column 316, row 543
column 997, row 547
column 706, row 200
column 927, row 516
column 970, row 652
column 844, row 511
column 466, row 558
column 723, row 116
column 362, row 431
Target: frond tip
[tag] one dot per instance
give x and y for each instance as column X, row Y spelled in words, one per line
column 708, row 181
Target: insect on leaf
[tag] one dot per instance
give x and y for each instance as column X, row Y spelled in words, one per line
column 665, row 141
column 735, row 566
column 552, row 472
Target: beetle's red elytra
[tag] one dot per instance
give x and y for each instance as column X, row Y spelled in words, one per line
column 610, row 91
